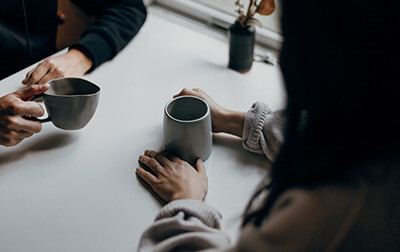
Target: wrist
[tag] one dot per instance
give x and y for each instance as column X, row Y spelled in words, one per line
column 84, row 62
column 233, row 122
column 194, row 196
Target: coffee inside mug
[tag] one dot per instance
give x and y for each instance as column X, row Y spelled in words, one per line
column 187, row 109
column 71, row 86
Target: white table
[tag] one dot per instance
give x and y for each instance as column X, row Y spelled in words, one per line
column 77, row 190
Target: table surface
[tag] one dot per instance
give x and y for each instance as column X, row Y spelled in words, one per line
column 78, row 191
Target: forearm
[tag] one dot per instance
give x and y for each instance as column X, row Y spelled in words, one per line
column 117, row 22
column 232, row 122
column 81, row 60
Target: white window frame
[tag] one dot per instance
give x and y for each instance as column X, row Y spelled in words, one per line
column 216, row 18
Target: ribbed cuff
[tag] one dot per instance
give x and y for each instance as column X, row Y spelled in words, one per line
column 207, row 214
column 253, row 126
column 95, row 47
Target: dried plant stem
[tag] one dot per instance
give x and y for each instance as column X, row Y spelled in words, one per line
column 252, row 8
column 249, row 8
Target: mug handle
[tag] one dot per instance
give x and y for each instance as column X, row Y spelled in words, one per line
column 38, row 98
column 48, row 119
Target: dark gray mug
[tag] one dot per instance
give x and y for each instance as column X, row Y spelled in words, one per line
column 70, row 102
column 187, row 128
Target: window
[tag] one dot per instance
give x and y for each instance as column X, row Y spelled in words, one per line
column 221, row 13
column 270, row 22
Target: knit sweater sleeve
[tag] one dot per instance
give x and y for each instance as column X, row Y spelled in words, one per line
column 263, row 130
column 117, row 22
column 185, row 225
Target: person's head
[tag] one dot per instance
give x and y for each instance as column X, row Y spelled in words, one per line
column 341, row 65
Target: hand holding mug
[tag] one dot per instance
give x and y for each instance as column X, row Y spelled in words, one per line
column 15, row 111
column 187, row 128
column 70, row 102
column 223, row 120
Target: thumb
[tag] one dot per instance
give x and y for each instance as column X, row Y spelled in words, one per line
column 28, row 92
column 182, row 92
column 187, row 91
column 200, row 166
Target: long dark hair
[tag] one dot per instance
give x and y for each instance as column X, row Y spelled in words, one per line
column 341, row 65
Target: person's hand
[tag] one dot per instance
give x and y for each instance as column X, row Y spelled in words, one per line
column 172, row 178
column 15, row 108
column 72, row 64
column 223, row 120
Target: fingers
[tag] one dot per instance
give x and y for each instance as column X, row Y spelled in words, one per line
column 163, row 159
column 174, row 178
column 200, row 167
column 73, row 63
column 12, row 138
column 180, row 93
column 28, row 75
column 146, row 176
column 47, row 70
column 29, row 92
column 150, row 153
column 14, row 126
column 38, row 73
column 151, row 162
column 29, row 108
column 24, row 134
column 52, row 74
column 194, row 91
column 18, row 123
column 17, row 104
column 173, row 158
column 159, row 163
column 148, row 160
column 22, row 108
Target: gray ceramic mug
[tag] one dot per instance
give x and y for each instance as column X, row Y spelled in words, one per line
column 187, row 128
column 70, row 102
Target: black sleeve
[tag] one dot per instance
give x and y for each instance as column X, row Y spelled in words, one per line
column 117, row 22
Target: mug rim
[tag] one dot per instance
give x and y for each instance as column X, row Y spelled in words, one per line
column 73, row 95
column 186, row 121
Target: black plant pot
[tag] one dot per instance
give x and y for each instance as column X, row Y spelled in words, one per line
column 241, row 47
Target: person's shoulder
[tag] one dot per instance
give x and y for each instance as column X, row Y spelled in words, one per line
column 304, row 219
column 323, row 199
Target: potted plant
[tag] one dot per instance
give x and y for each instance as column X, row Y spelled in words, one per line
column 242, row 33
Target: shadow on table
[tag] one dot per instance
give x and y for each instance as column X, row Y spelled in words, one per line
column 48, row 142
